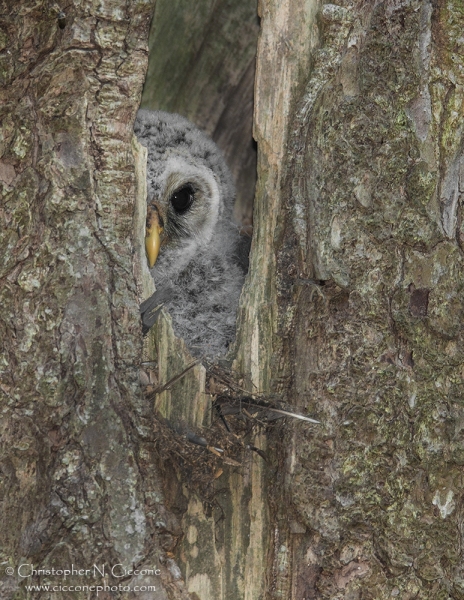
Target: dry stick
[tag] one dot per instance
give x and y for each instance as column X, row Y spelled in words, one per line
column 173, row 380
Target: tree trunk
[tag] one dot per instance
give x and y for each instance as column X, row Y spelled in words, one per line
column 356, row 317
column 79, row 486
column 351, row 313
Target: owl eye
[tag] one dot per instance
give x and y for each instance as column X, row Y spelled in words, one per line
column 183, row 198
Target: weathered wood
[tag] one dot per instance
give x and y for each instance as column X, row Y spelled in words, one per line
column 202, row 60
column 202, row 65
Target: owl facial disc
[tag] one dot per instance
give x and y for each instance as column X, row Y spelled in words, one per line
column 191, row 242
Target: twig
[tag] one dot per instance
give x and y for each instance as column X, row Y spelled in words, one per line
column 168, row 384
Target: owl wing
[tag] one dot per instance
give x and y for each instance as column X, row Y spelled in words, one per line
column 151, row 307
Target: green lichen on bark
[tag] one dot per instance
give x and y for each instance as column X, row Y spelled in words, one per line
column 79, row 482
column 371, row 207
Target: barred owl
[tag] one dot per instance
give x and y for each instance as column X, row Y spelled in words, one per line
column 194, row 249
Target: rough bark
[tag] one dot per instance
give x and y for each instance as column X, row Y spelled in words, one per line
column 79, row 485
column 351, row 312
column 357, row 315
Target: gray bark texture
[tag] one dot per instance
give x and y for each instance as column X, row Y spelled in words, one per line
column 354, row 303
column 351, row 313
column 78, row 483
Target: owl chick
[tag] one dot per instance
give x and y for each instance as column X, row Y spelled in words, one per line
column 193, row 246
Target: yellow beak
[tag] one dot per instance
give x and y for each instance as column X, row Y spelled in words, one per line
column 152, row 234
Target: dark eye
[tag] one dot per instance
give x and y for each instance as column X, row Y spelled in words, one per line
column 182, row 199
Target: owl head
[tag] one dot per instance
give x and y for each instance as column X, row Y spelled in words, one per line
column 190, row 192
column 192, row 244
